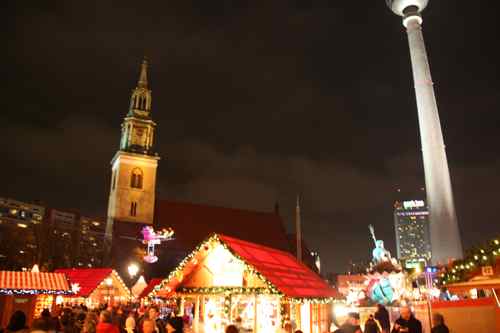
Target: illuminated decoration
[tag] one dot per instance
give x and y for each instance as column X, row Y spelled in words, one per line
column 224, row 290
column 133, row 269
column 75, row 287
column 151, row 238
column 411, row 204
column 35, row 269
column 462, row 270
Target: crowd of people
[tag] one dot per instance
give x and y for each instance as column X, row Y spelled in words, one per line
column 79, row 319
column 379, row 322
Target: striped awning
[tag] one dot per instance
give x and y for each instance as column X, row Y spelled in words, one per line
column 33, row 283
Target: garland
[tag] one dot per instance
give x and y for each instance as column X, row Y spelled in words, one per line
column 461, row 270
column 224, row 290
column 11, row 292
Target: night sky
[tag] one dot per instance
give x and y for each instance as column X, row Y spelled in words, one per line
column 255, row 101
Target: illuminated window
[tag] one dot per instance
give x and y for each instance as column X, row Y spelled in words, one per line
column 133, row 208
column 136, row 178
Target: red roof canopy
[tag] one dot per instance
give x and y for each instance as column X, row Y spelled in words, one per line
column 149, row 288
column 53, row 283
column 281, row 269
column 291, row 277
column 87, row 278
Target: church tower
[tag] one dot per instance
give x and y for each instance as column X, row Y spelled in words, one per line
column 133, row 177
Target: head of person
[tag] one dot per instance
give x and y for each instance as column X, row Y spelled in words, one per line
column 105, row 317
column 353, row 318
column 231, row 329
column 148, row 325
column 17, row 321
column 40, row 324
column 45, row 313
column 153, row 313
column 437, row 319
column 175, row 324
column 405, row 312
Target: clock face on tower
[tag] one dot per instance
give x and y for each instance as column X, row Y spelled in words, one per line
column 139, row 136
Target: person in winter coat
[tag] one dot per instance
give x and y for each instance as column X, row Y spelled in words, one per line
column 406, row 323
column 175, row 324
column 17, row 323
column 351, row 325
column 382, row 315
column 105, row 325
column 438, row 322
column 371, row 325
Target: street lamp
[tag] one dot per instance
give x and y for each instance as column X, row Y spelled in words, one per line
column 133, row 269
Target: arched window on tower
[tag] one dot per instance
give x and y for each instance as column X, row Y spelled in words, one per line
column 136, row 178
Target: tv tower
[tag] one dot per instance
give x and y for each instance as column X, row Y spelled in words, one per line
column 445, row 236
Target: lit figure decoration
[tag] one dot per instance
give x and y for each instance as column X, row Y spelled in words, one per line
column 152, row 238
column 380, row 254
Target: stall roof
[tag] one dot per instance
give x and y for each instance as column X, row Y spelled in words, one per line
column 490, row 283
column 149, row 288
column 36, row 283
column 88, row 279
column 290, row 277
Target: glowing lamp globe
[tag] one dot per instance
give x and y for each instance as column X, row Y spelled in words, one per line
column 399, row 6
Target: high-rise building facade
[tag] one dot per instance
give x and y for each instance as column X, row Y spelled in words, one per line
column 22, row 236
column 411, row 223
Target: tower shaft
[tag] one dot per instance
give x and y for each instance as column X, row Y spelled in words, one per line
column 445, row 236
column 298, row 230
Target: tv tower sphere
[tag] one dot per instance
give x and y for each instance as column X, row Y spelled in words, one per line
column 399, row 6
column 445, row 235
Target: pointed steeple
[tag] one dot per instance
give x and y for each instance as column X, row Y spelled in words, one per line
column 143, row 77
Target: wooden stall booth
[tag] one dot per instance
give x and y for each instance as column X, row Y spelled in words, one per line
column 94, row 286
column 30, row 292
column 230, row 281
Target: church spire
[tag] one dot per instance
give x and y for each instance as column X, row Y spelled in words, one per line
column 143, row 77
column 140, row 101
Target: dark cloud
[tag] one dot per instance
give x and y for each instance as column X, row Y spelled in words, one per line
column 255, row 102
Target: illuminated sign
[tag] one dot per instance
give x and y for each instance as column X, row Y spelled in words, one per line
column 413, row 204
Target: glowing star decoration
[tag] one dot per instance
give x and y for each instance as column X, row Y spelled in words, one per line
column 152, row 238
column 75, row 288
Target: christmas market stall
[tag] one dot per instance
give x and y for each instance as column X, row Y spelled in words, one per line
column 94, row 286
column 227, row 280
column 30, row 292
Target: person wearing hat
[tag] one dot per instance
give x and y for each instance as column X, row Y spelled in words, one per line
column 351, row 325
